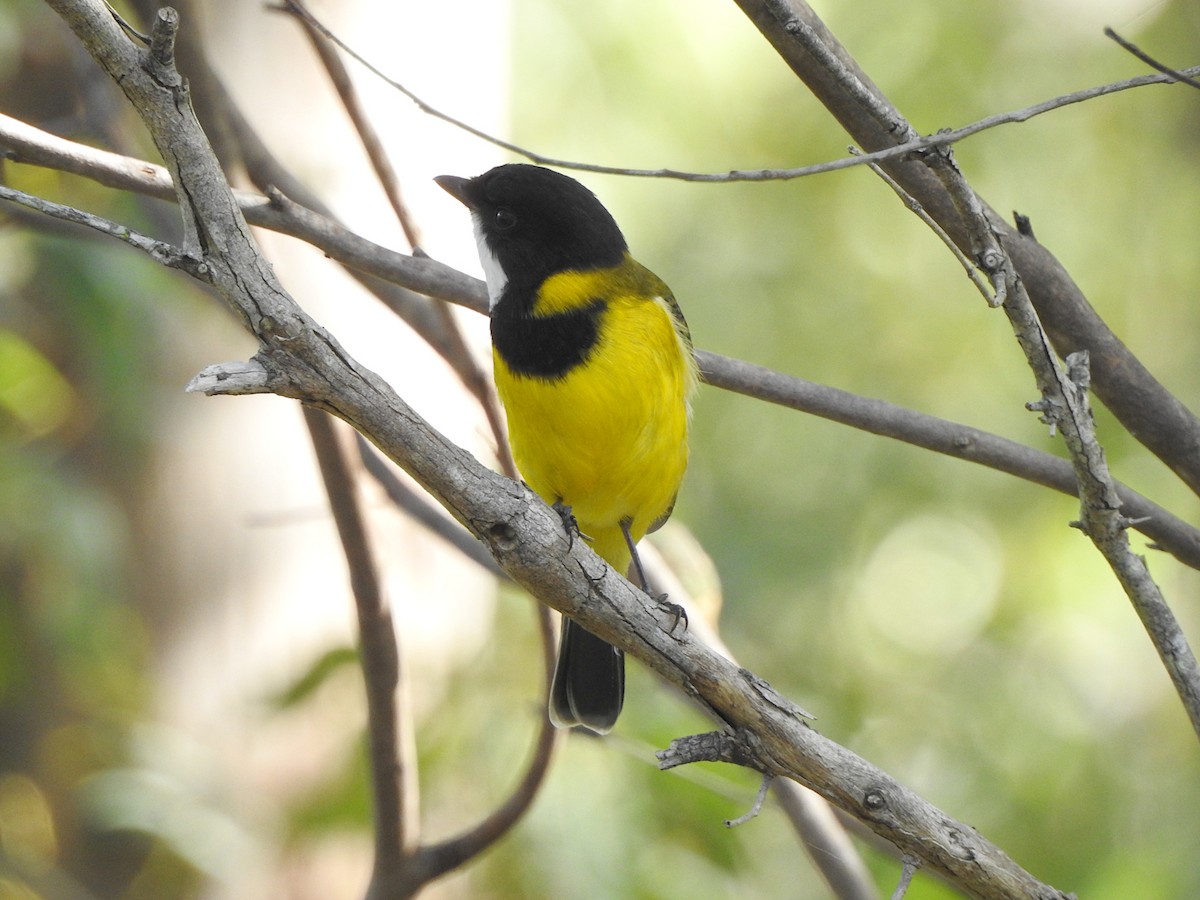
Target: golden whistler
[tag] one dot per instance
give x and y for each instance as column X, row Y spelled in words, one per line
column 594, row 365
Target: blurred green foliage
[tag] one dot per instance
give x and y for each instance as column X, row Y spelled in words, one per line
column 939, row 619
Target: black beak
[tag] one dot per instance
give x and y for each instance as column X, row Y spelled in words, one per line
column 456, row 187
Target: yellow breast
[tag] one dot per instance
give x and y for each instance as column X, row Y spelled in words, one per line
column 609, row 438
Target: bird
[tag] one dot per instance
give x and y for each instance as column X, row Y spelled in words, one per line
column 594, row 366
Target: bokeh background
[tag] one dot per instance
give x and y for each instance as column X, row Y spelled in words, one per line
column 179, row 715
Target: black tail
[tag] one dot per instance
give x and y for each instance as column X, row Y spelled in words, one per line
column 589, row 681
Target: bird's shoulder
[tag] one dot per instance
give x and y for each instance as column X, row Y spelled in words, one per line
column 627, row 283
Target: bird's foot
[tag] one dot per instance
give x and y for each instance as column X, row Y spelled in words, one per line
column 570, row 526
column 674, row 610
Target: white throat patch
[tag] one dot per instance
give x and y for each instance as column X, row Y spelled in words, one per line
column 492, row 272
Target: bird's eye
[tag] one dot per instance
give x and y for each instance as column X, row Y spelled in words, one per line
column 505, row 219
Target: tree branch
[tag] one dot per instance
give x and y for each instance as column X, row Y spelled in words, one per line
column 1065, row 405
column 417, row 507
column 1148, row 410
column 394, row 783
column 942, row 436
column 160, row 251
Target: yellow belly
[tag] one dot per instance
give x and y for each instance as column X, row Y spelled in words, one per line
column 610, row 438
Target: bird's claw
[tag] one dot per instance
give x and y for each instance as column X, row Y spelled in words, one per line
column 678, row 613
column 570, row 525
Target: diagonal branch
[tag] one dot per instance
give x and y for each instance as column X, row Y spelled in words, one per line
column 1065, row 406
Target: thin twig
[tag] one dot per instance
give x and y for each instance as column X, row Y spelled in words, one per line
column 941, row 138
column 1150, row 60
column 909, row 870
column 367, row 135
column 449, row 854
column 463, row 360
column 416, row 506
column 917, row 209
column 394, row 785
column 160, row 251
column 755, row 808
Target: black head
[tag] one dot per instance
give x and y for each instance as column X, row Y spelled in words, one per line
column 535, row 222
